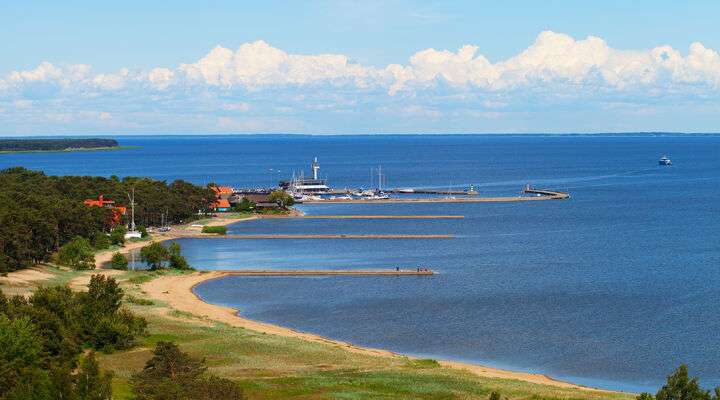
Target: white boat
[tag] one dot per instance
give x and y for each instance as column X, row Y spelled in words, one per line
column 664, row 160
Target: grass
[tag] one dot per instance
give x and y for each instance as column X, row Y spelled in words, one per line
column 220, row 230
column 277, row 367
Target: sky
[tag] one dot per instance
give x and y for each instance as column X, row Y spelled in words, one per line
column 344, row 67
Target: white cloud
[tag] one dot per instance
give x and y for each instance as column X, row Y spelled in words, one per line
column 23, row 104
column 554, row 71
column 236, row 107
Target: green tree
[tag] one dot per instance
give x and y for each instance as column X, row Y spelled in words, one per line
column 143, row 231
column 154, row 255
column 245, row 205
column 117, row 236
column 173, row 374
column 100, row 240
column 119, row 261
column 281, row 198
column 77, row 254
column 91, row 383
column 21, row 360
column 680, row 386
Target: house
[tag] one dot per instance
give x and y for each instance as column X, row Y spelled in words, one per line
column 116, row 212
column 222, row 191
column 220, row 205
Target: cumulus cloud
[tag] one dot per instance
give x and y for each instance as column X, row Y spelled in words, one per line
column 433, row 83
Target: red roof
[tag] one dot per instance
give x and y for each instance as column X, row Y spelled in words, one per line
column 222, row 190
column 221, row 203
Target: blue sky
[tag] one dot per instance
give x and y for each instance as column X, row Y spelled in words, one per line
column 81, row 67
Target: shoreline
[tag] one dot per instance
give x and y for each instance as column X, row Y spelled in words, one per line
column 178, row 292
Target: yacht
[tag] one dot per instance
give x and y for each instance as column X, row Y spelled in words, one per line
column 664, row 160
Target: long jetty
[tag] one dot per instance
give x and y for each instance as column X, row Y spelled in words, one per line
column 540, row 195
column 364, row 216
column 329, row 272
column 314, row 236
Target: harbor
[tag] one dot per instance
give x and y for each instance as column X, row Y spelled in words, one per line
column 315, row 189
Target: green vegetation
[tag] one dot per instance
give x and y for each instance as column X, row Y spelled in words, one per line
column 157, row 256
column 119, row 261
column 281, row 198
column 13, row 145
column 39, row 213
column 220, row 230
column 680, row 386
column 100, row 241
column 117, row 235
column 42, row 338
column 173, row 374
column 77, row 254
column 244, row 206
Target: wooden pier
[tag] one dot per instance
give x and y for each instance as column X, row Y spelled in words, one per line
column 363, row 216
column 329, row 272
column 313, row 236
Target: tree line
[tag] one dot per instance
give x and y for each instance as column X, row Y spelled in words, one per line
column 40, row 213
column 54, row 144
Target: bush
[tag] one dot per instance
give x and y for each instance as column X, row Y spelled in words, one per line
column 143, row 231
column 220, row 230
column 100, row 241
column 245, row 205
column 157, row 256
column 77, row 254
column 281, row 198
column 171, row 373
column 117, row 236
column 119, row 261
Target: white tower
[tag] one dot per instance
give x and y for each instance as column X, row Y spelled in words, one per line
column 315, row 168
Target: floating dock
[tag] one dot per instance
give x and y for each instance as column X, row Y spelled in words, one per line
column 314, row 236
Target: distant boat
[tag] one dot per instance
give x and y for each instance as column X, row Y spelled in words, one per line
column 664, row 160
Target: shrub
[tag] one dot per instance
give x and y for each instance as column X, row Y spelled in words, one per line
column 77, row 254
column 157, row 256
column 100, row 241
column 220, row 230
column 117, row 236
column 171, row 373
column 119, row 261
column 143, row 231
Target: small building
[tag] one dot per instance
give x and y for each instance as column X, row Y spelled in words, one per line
column 116, row 212
column 220, row 205
column 260, row 199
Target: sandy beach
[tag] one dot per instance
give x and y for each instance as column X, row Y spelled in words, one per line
column 177, row 292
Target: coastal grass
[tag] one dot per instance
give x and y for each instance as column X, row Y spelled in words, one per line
column 219, row 230
column 278, row 367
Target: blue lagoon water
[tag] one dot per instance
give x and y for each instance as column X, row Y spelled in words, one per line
column 614, row 287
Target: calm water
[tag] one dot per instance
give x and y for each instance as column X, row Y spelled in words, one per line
column 612, row 288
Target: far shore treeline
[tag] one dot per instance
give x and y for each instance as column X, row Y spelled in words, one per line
column 40, row 213
column 55, row 144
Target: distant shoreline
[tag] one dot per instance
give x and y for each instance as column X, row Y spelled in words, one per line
column 72, row 150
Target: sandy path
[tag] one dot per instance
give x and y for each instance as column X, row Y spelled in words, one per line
column 177, row 292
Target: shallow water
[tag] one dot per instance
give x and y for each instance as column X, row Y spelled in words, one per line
column 613, row 288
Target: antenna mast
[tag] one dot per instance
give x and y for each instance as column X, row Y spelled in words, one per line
column 132, row 210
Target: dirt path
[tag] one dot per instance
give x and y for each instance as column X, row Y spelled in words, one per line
column 177, row 292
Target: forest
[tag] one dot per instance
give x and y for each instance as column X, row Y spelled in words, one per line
column 41, row 213
column 54, row 144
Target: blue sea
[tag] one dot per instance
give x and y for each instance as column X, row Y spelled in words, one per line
column 613, row 288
